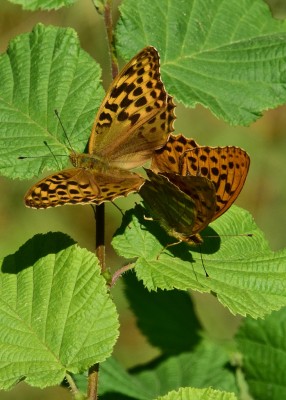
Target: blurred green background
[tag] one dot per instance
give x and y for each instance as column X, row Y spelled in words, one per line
column 264, row 194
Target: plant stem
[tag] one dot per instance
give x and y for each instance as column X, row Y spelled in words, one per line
column 99, row 210
column 117, row 274
column 100, row 233
column 109, row 30
column 93, row 382
column 72, row 385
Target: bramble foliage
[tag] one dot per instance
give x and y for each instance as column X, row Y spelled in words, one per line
column 57, row 316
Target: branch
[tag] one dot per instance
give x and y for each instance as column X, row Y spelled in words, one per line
column 99, row 210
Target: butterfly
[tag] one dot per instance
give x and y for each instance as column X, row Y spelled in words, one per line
column 134, row 119
column 205, row 179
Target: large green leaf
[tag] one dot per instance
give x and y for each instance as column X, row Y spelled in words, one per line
column 263, row 346
column 40, row 72
column 246, row 276
column 43, row 4
column 55, row 314
column 224, row 54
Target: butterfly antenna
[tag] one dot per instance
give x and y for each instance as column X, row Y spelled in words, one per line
column 118, row 208
column 94, row 210
column 234, row 235
column 51, row 151
column 63, row 128
column 202, row 260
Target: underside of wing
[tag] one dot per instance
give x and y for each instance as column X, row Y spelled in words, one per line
column 182, row 214
column 202, row 192
column 136, row 115
column 81, row 186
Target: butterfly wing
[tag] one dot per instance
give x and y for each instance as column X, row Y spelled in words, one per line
column 227, row 167
column 168, row 158
column 202, row 191
column 181, row 214
column 136, row 115
column 81, row 186
column 174, row 210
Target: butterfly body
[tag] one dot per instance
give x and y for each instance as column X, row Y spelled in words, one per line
column 89, row 161
column 135, row 119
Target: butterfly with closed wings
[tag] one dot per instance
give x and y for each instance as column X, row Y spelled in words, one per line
column 190, row 185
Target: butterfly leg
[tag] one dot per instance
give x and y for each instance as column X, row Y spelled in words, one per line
column 118, row 208
column 168, row 245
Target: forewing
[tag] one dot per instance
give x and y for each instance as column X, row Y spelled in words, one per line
column 168, row 158
column 226, row 167
column 81, row 186
column 136, row 115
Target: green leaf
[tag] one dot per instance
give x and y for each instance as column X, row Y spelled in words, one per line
column 115, row 379
column 246, row 276
column 99, row 5
column 226, row 55
column 33, row 5
column 56, row 315
column 198, row 394
column 167, row 319
column 206, row 366
column 263, row 346
column 40, row 72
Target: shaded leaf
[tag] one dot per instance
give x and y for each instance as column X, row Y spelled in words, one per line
column 167, row 319
column 262, row 343
column 205, row 366
column 115, row 379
